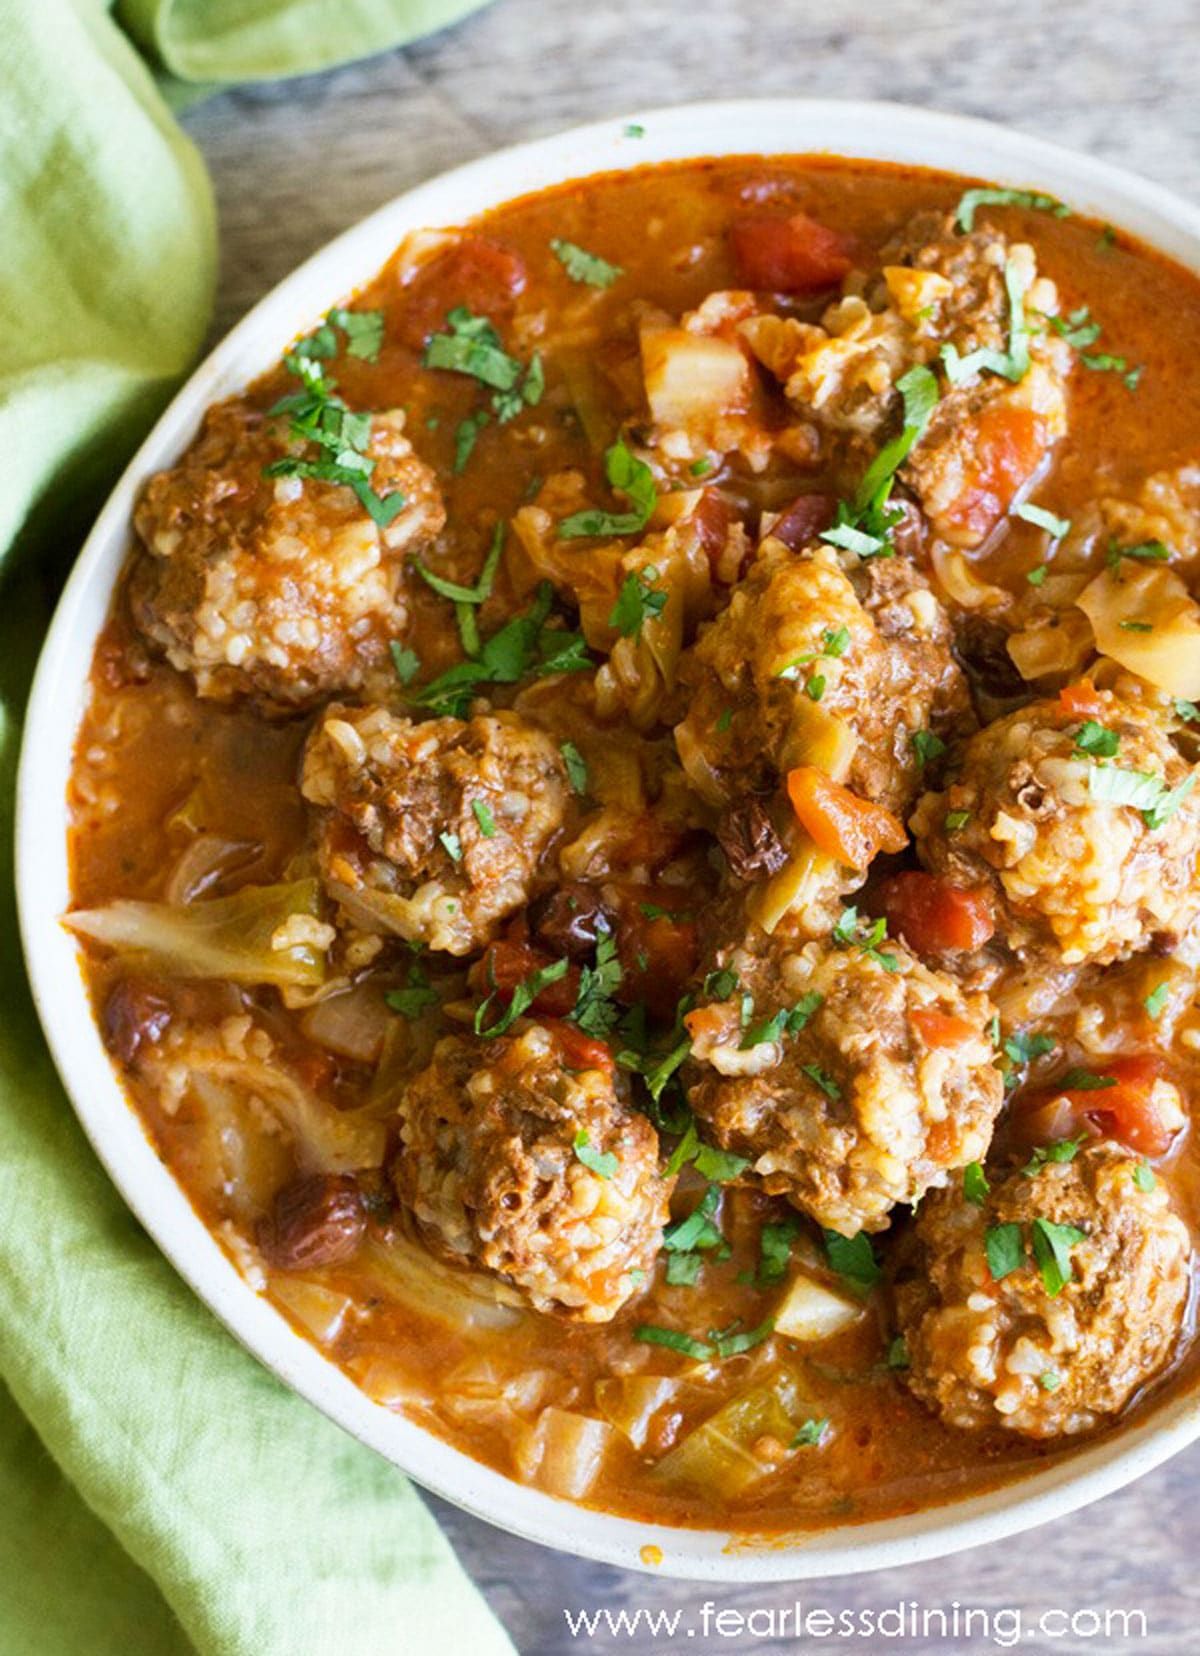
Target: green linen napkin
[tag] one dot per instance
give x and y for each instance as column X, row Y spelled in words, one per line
column 159, row 1491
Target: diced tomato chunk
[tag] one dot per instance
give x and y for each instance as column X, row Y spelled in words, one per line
column 840, row 823
column 1007, row 446
column 580, row 1051
column 477, row 272
column 940, row 1029
column 1121, row 1107
column 932, row 915
column 797, row 254
column 506, row 963
column 803, row 520
column 1081, row 700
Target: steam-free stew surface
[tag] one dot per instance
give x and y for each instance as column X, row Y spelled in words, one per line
column 160, row 769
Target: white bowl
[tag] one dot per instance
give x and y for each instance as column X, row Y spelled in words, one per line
column 792, row 127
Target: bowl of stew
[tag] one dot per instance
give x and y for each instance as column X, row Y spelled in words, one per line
column 608, row 848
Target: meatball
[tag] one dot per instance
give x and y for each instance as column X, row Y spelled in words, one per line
column 798, row 669
column 1013, row 1352
column 514, row 1163
column 852, row 1077
column 284, row 587
column 1036, row 816
column 938, row 289
column 434, row 831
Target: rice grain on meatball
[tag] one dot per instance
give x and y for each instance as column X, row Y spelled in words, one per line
column 1038, row 815
column 851, row 1080
column 1010, row 1353
column 279, row 587
column 798, row 669
column 431, row 831
column 490, row 1166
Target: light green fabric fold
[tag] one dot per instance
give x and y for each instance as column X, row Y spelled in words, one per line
column 159, row 1491
column 217, row 41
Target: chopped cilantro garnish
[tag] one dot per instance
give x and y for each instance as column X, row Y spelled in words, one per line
column 1136, row 626
column 897, row 1353
column 1052, row 1155
column 810, row 1434
column 865, row 524
column 320, row 417
column 701, row 467
column 1156, row 1000
column 853, row 1258
column 472, row 347
column 775, row 1249
column 721, row 1166
column 633, row 130
column 1077, row 328
column 523, row 996
column 406, row 662
column 954, row 820
column 482, row 590
column 972, row 200
column 1005, row 1250
column 1097, row 740
column 1052, row 1246
column 452, row 846
column 603, row 1163
column 821, row 1078
column 628, row 476
column 362, row 330
column 416, row 996
column 683, row 1269
column 975, row 1184
column 1012, row 364
column 639, row 601
column 1035, row 577
column 721, row 984
column 1049, row 1380
column 465, row 437
column 866, row 935
column 1042, row 519
column 1085, row 1080
column 1187, row 710
column 674, row 1340
column 698, row 1229
column 1023, row 1049
column 523, row 646
column 582, row 266
column 1143, row 1176
column 577, row 771
column 484, row 817
column 927, row 747
column 594, row 1011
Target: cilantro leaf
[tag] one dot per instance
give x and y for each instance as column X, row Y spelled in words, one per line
column 1005, row 1250
column 465, row 438
column 810, row 1435
column 972, row 200
column 1052, row 1246
column 639, row 601
column 577, row 771
column 1096, row 739
column 582, row 266
column 594, row 1011
column 415, row 997
column 523, row 996
column 1052, row 1155
column 853, row 1258
column 602, row 1163
column 975, row 1184
column 775, row 1249
column 628, row 476
column 406, row 662
column 674, row 1340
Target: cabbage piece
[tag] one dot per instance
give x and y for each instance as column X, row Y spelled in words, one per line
column 316, row 1308
column 406, row 1273
column 567, row 1451
column 809, row 879
column 260, row 934
column 720, row 1453
column 812, row 1312
column 630, row 1402
column 1146, row 619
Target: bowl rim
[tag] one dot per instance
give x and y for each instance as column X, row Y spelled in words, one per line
column 755, row 128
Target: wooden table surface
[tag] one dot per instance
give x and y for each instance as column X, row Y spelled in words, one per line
column 297, row 163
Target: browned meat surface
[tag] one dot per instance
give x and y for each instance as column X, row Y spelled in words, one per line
column 516, row 1164
column 431, row 831
column 798, row 669
column 881, row 1085
column 1036, row 815
column 1012, row 1353
column 280, row 587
